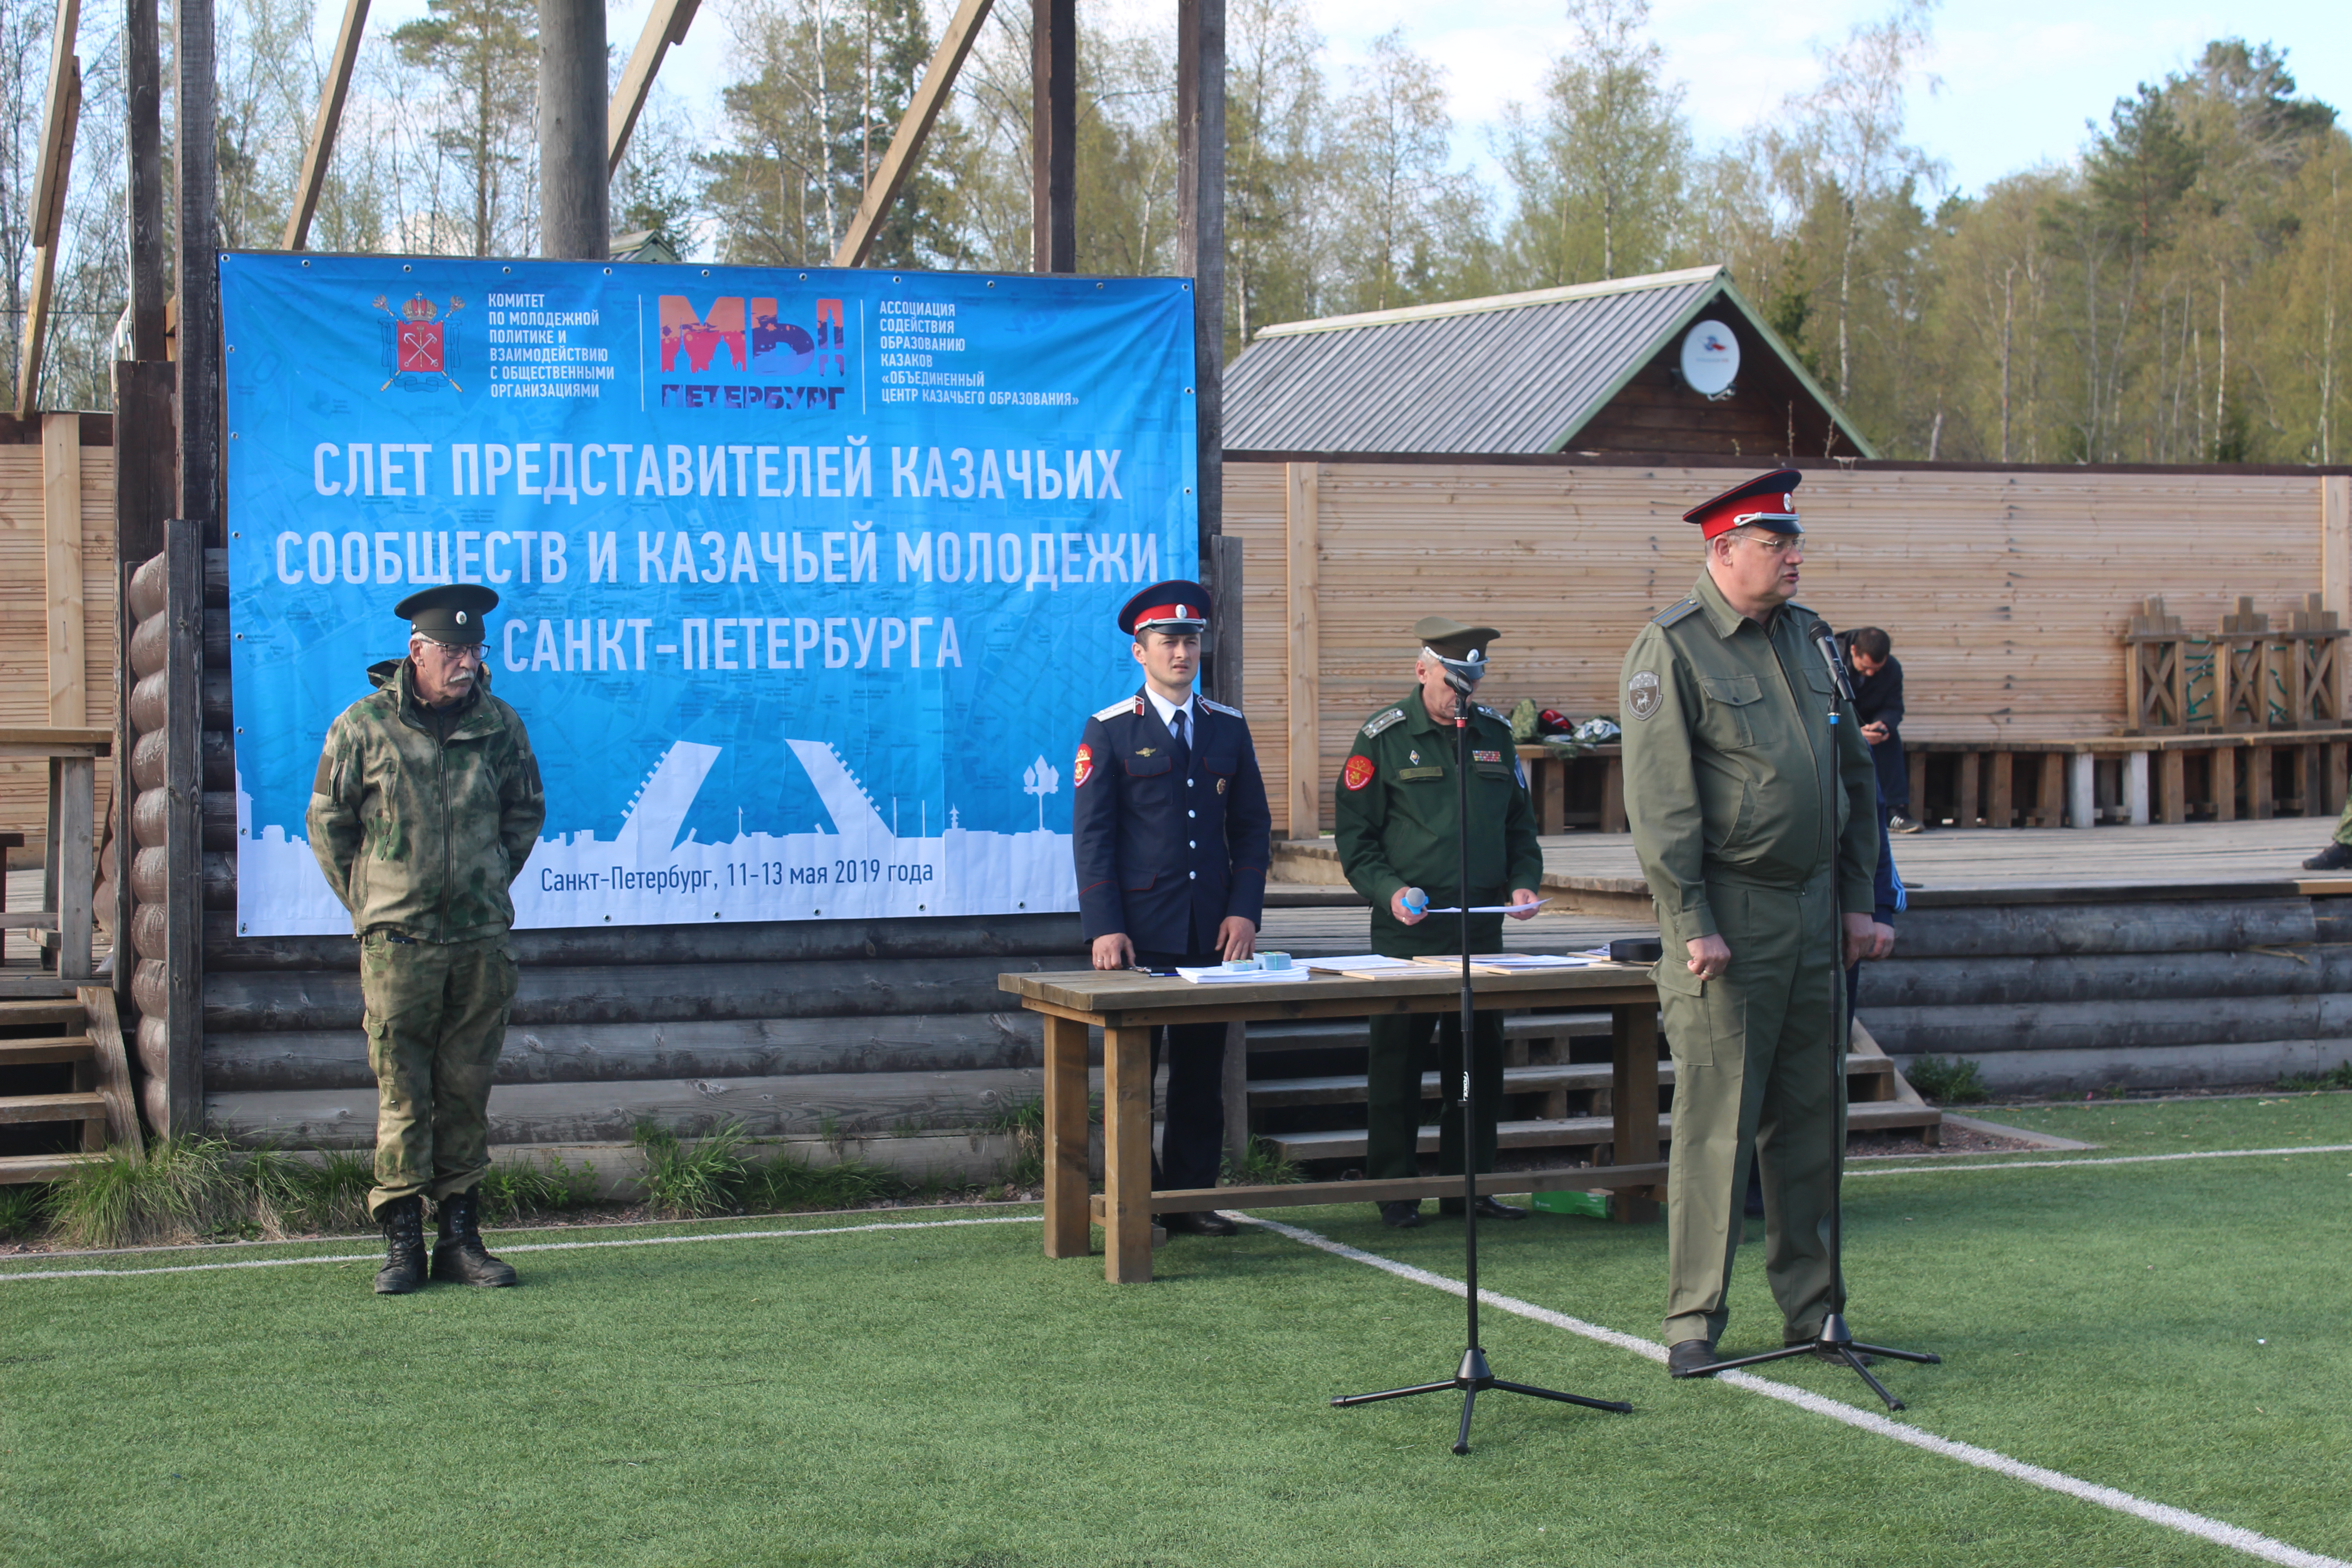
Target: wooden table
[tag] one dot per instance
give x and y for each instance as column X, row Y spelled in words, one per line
column 1127, row 1007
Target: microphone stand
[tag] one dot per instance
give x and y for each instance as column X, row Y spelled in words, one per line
column 1836, row 1341
column 1474, row 1376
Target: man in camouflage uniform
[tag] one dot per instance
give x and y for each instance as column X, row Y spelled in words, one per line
column 1753, row 805
column 427, row 804
column 1397, row 812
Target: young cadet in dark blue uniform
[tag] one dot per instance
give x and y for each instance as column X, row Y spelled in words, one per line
column 1172, row 835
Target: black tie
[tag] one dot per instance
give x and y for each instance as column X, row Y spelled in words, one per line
column 1176, row 724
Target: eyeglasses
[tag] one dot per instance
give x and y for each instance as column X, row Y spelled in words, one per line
column 1776, row 543
column 456, row 652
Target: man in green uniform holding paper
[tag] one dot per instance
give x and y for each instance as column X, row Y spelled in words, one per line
column 1749, row 791
column 1399, row 830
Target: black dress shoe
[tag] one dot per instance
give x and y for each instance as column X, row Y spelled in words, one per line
column 1692, row 1358
column 1488, row 1208
column 2335, row 858
column 1402, row 1214
column 1198, row 1222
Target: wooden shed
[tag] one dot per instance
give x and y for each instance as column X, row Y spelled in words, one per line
column 1667, row 364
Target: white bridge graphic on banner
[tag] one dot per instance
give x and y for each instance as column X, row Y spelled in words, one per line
column 862, row 866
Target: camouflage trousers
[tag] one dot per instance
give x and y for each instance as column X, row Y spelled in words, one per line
column 437, row 1014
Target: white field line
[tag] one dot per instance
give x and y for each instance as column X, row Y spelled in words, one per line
column 2197, row 1524
column 532, row 1246
column 2110, row 1160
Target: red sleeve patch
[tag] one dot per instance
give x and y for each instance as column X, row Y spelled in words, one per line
column 1359, row 773
column 1083, row 768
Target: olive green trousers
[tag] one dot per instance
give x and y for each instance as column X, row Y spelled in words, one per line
column 1400, row 1054
column 436, row 1015
column 1757, row 1065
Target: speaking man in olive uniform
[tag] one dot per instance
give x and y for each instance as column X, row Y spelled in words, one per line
column 1399, row 830
column 427, row 803
column 1172, row 834
column 1752, row 801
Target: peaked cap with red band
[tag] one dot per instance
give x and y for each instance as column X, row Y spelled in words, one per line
column 1177, row 605
column 1768, row 501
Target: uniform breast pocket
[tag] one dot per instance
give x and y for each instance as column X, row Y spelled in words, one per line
column 1728, row 722
column 1147, row 767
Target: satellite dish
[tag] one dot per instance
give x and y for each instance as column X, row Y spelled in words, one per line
column 1710, row 358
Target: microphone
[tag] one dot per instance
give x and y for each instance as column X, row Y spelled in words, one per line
column 1826, row 640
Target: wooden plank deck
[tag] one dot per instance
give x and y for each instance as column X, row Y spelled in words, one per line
column 2196, row 853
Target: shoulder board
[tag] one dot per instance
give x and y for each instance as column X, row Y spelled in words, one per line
column 1124, row 705
column 1381, row 721
column 1683, row 611
column 1221, row 708
column 1490, row 713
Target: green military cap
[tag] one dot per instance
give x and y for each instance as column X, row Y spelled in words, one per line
column 451, row 613
column 1449, row 638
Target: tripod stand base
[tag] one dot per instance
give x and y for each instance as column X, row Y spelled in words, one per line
column 1837, row 1341
column 1473, row 1377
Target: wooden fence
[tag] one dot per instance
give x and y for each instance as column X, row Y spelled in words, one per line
column 56, row 596
column 2006, row 590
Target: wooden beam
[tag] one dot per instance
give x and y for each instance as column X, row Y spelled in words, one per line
column 55, row 156
column 52, row 174
column 184, row 957
column 323, row 133
column 61, row 564
column 914, row 128
column 664, row 24
column 575, row 209
column 2335, row 547
column 1200, row 235
column 1053, row 136
column 196, row 172
column 143, row 83
column 1067, row 1139
column 1301, row 532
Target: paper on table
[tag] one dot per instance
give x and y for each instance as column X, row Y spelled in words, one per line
column 1221, row 976
column 1487, row 908
column 1359, row 964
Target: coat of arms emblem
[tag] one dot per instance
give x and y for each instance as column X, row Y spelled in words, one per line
column 417, row 350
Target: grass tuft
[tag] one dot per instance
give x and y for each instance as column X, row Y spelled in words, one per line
column 1025, row 1122
column 2336, row 1076
column 184, row 1190
column 689, row 1181
column 24, row 1210
column 1263, row 1166
column 1948, row 1081
column 535, row 1185
column 788, row 1183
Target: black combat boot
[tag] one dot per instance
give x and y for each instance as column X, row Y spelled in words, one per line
column 404, row 1247
column 459, row 1255
column 2335, row 858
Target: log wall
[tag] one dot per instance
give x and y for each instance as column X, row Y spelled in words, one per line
column 2005, row 590
column 2174, row 992
column 844, row 1029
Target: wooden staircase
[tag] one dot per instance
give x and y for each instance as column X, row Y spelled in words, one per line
column 1570, row 1098
column 80, row 1040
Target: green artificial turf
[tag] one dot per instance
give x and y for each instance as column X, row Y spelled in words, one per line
column 947, row 1397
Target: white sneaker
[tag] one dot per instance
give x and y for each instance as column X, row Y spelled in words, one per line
column 1899, row 823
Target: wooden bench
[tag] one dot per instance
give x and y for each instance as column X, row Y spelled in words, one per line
column 1584, row 791
column 2134, row 779
column 1127, row 1007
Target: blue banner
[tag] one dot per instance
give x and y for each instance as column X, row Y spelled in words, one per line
column 807, row 579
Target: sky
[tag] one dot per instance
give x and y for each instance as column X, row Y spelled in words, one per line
column 2018, row 77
